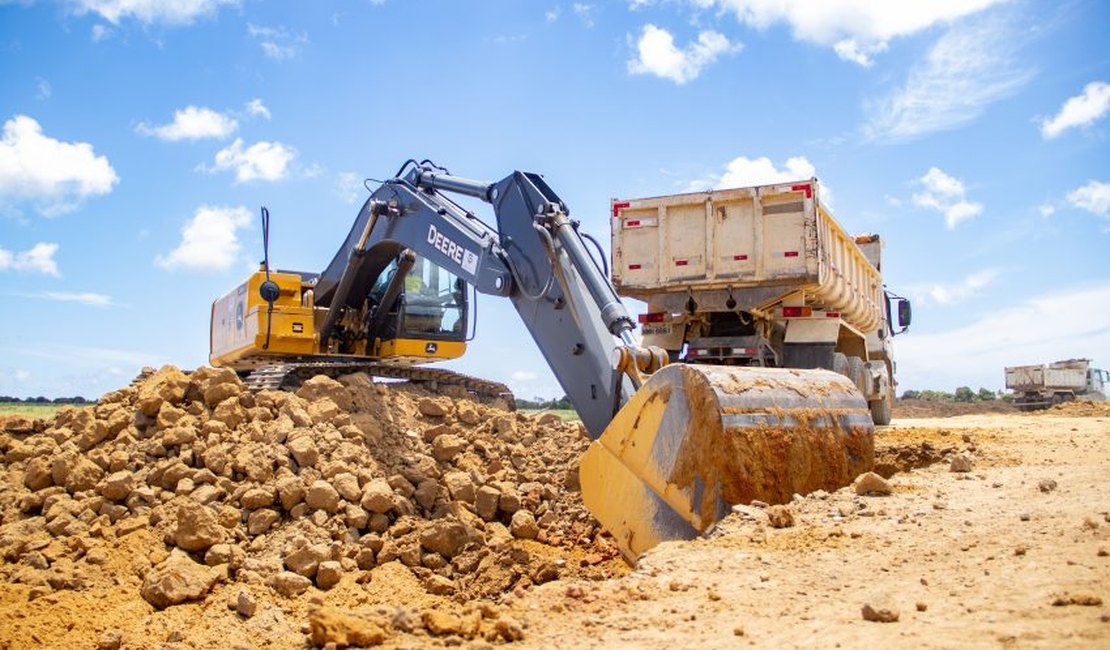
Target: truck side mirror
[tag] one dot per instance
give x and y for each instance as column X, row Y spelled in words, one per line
column 905, row 313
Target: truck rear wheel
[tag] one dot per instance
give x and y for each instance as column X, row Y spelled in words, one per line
column 882, row 409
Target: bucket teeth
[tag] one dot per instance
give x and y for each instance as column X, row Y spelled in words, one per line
column 695, row 440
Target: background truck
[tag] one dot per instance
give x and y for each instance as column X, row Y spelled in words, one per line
column 759, row 276
column 1041, row 386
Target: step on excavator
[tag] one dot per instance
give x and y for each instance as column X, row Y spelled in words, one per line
column 675, row 445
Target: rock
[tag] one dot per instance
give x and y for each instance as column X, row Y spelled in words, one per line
column 306, row 560
column 261, row 521
column 431, row 408
column 508, row 629
column 167, row 385
column 426, row 493
column 328, row 574
column 290, row 491
column 332, row 627
column 289, row 584
column 197, row 527
column 780, row 517
column 880, row 609
column 445, row 536
column 323, row 387
column 469, row 416
column 347, row 486
column 523, row 525
column 549, row 419
column 871, row 484
column 960, row 463
column 322, row 496
column 460, row 486
column 110, row 640
column 505, row 427
column 303, row 450
column 323, row 411
column 255, row 498
column 443, row 623
column 245, row 604
column 377, row 496
column 83, row 475
column 223, row 386
column 1046, row 485
column 38, row 474
column 446, row 446
column 486, row 502
column 178, row 579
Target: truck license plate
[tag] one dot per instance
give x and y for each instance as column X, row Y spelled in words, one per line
column 657, row 330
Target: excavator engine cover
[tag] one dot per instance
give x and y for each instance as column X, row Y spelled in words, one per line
column 697, row 439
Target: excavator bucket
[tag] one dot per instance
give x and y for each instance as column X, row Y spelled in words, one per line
column 697, row 439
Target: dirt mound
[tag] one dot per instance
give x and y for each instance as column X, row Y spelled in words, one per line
column 1080, row 408
column 920, row 408
column 188, row 489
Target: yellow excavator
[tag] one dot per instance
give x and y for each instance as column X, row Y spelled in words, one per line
column 675, row 446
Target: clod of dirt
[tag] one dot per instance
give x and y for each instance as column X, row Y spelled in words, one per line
column 1082, row 598
column 880, row 609
column 179, row 579
column 330, row 626
column 780, row 517
column 1046, row 485
column 871, row 484
column 960, row 463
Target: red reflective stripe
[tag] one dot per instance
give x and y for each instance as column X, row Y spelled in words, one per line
column 631, row 223
column 739, row 258
column 832, row 314
column 790, row 254
column 681, row 262
column 618, row 205
column 635, row 267
column 803, row 187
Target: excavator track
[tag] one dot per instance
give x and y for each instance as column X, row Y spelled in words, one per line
column 290, row 374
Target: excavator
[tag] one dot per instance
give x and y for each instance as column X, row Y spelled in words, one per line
column 674, row 445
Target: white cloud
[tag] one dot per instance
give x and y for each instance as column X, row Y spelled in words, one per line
column 585, row 13
column 967, row 69
column 1061, row 325
column 953, row 293
column 745, row 172
column 1094, row 197
column 192, row 123
column 856, row 30
column 277, row 43
column 37, row 259
column 657, row 54
column 257, row 108
column 209, row 241
column 84, row 298
column 947, row 195
column 101, row 33
column 56, row 175
column 150, row 12
column 524, row 375
column 43, row 89
column 1046, row 209
column 1081, row 110
column 551, row 15
column 348, row 186
column 267, row 161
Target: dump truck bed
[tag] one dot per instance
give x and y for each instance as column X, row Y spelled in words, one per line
column 763, row 244
column 1041, row 377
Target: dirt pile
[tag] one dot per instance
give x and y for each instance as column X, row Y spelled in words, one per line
column 1079, row 408
column 289, row 493
column 922, row 408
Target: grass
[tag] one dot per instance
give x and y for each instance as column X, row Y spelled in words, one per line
column 568, row 415
column 41, row 411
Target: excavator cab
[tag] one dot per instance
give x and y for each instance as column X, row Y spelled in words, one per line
column 429, row 316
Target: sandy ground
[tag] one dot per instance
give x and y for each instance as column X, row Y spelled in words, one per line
column 987, row 559
column 1010, row 554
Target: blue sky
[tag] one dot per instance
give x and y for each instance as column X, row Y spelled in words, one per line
column 140, row 138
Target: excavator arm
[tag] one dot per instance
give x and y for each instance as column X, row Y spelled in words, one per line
column 675, row 446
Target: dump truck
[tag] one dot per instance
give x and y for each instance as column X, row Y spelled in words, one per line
column 675, row 445
column 760, row 276
column 1041, row 386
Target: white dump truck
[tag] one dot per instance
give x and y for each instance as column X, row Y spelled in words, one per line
column 759, row 276
column 1041, row 386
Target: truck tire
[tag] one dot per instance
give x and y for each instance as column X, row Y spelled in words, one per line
column 881, row 410
column 840, row 364
column 857, row 372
